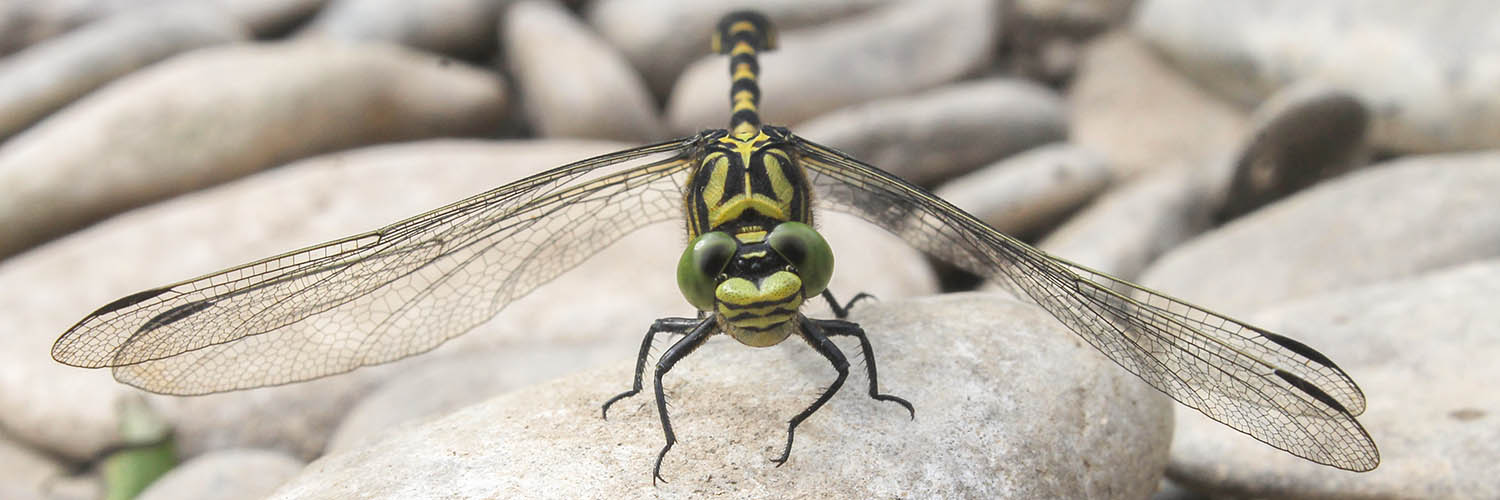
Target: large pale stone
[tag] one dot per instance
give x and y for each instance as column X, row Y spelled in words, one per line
column 1008, row 405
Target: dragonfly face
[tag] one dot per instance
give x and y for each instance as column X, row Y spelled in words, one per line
column 754, row 256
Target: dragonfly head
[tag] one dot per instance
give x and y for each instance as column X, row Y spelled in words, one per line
column 755, row 280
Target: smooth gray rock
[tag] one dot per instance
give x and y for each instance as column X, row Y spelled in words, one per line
column 1025, row 193
column 49, row 75
column 1128, row 105
column 1075, row 14
column 24, row 473
column 217, row 114
column 1384, row 222
column 571, row 83
column 234, row 474
column 25, row 23
column 1128, row 227
column 661, row 37
column 271, row 17
column 1301, row 135
column 1423, row 350
column 461, row 379
column 1044, row 38
column 1009, row 405
column 624, row 288
column 932, row 136
column 1427, row 69
column 463, row 28
column 894, row 50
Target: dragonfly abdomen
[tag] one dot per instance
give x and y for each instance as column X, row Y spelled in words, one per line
column 740, row 35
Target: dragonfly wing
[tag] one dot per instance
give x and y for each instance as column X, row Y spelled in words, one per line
column 382, row 295
column 1275, row 389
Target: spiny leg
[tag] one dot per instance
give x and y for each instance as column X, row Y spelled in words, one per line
column 819, row 342
column 842, row 311
column 669, row 325
column 840, row 327
column 678, row 351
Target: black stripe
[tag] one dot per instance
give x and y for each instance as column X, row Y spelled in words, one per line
column 762, row 303
column 750, row 59
column 1299, row 348
column 128, row 300
column 1311, row 390
column 745, row 116
column 174, row 315
column 745, row 84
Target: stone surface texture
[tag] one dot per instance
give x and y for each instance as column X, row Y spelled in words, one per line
column 948, row 131
column 1009, row 405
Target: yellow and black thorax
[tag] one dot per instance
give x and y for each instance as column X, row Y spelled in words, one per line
column 753, row 257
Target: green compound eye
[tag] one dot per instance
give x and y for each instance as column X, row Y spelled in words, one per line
column 802, row 246
column 700, row 265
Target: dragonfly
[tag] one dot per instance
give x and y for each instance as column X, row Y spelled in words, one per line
column 747, row 196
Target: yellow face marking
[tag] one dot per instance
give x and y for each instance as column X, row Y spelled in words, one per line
column 751, row 237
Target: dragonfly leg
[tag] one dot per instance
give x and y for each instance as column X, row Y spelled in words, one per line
column 819, row 342
column 842, row 311
column 679, row 350
column 669, row 325
column 840, row 327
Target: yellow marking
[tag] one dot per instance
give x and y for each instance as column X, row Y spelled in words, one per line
column 713, row 192
column 740, row 48
column 745, row 104
column 737, row 205
column 740, row 26
column 716, row 44
column 777, row 287
column 780, row 185
column 751, row 237
column 745, row 129
column 742, row 71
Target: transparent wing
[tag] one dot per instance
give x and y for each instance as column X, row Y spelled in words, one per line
column 382, row 295
column 1273, row 388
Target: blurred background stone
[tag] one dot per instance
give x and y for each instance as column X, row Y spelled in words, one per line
column 24, row 473
column 1301, row 135
column 214, row 115
column 1142, row 115
column 1384, row 222
column 661, row 37
column 571, row 83
column 932, row 136
column 902, row 48
column 1128, row 227
column 1428, row 70
column 460, row 28
column 234, row 474
column 49, row 75
column 1026, row 193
